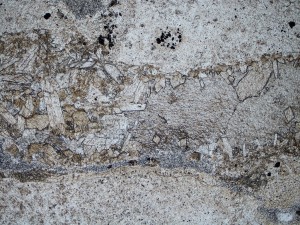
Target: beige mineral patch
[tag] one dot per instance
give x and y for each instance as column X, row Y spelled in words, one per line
column 39, row 122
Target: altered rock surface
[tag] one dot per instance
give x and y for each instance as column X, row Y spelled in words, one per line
column 150, row 112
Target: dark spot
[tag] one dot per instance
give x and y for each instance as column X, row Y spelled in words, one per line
column 101, row 40
column 235, row 16
column 152, row 161
column 2, row 174
column 109, row 166
column 109, row 37
column 120, row 14
column 168, row 38
column 277, row 164
column 269, row 174
column 298, row 212
column 70, row 125
column 132, row 162
column 113, row 3
column 96, row 99
column 292, row 24
column 235, row 165
column 47, row 16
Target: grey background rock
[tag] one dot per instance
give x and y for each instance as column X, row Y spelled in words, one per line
column 149, row 112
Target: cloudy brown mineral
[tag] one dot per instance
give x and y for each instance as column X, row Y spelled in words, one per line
column 149, row 112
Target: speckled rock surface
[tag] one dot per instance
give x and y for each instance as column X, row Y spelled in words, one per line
column 149, row 112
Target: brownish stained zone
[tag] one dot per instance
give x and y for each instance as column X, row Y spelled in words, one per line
column 12, row 129
column 44, row 153
column 80, row 89
column 106, row 156
column 196, row 156
column 76, row 120
column 32, row 175
column 13, row 150
column 252, row 170
column 67, row 157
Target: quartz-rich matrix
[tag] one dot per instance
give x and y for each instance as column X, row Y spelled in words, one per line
column 149, row 112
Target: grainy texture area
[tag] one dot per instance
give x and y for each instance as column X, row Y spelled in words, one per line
column 149, row 112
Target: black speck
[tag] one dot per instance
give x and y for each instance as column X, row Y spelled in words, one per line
column 298, row 212
column 277, row 164
column 110, row 45
column 101, row 40
column 235, row 16
column 120, row 14
column 113, row 3
column 47, row 16
column 109, row 166
column 292, row 24
column 168, row 38
column 132, row 162
column 269, row 174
